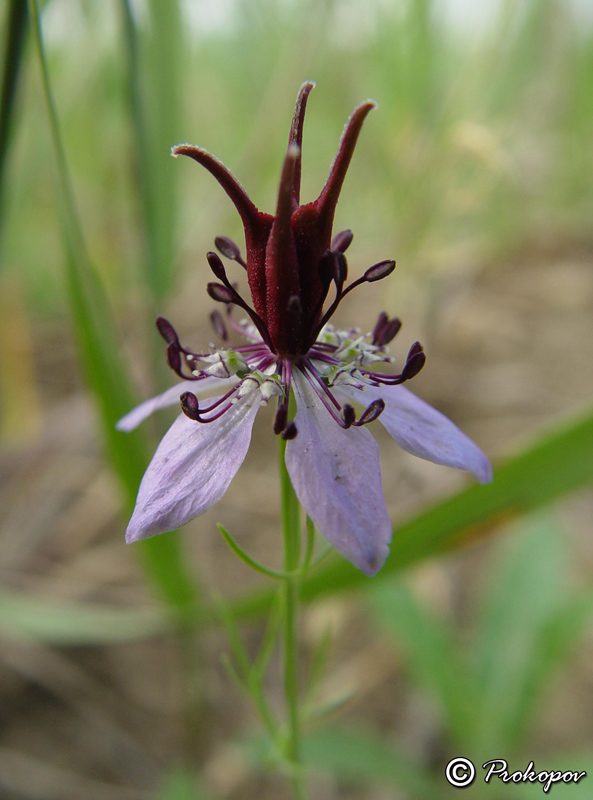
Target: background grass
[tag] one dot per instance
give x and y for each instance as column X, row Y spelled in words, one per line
column 479, row 157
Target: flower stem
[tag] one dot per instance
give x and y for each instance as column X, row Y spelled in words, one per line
column 291, row 531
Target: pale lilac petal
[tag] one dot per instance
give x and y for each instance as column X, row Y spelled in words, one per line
column 423, row 431
column 169, row 398
column 192, row 469
column 337, row 478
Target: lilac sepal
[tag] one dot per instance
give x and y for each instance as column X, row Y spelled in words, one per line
column 337, row 478
column 169, row 398
column 192, row 469
column 423, row 431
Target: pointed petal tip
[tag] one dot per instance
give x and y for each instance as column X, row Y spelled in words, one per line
column 482, row 471
column 374, row 563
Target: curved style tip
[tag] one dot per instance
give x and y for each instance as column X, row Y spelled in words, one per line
column 175, row 150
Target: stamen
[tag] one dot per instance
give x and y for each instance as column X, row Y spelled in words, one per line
column 375, row 273
column 348, row 415
column 190, row 406
column 379, row 271
column 229, row 249
column 289, row 432
column 217, row 267
column 218, row 325
column 340, row 270
column 318, row 382
column 227, row 294
column 415, row 361
column 220, row 293
column 281, row 418
column 385, row 329
column 372, row 411
column 174, row 358
column 323, row 393
column 326, row 270
column 167, row 331
column 342, row 241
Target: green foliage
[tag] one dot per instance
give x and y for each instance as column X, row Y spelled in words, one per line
column 527, row 627
column 364, row 758
column 103, row 364
column 76, row 624
column 529, row 481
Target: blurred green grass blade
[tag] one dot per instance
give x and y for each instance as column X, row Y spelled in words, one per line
column 26, row 617
column 362, row 757
column 16, row 26
column 180, row 783
column 154, row 100
column 431, row 651
column 551, row 644
column 528, row 588
column 559, row 462
column 104, row 368
column 564, row 762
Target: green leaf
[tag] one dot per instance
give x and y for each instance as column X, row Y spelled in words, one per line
column 363, row 757
column 104, row 368
column 578, row 762
column 528, row 589
column 180, row 783
column 431, row 653
column 16, row 26
column 558, row 463
column 76, row 623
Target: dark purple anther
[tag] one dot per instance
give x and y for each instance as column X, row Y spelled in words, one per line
column 174, row 357
column 167, row 331
column 348, row 415
column 415, row 361
column 217, row 266
column 342, row 241
column 371, row 412
column 380, row 324
column 190, row 406
column 289, row 432
column 379, row 271
column 390, row 331
column 220, row 293
column 218, row 325
column 385, row 329
column 340, row 269
column 229, row 249
column 326, row 270
column 281, row 418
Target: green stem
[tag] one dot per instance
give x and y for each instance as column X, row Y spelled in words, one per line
column 16, row 26
column 291, row 533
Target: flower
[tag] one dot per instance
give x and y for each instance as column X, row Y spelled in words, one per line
column 332, row 459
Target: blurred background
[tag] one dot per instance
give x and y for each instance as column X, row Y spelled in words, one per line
column 475, row 173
